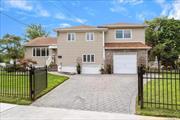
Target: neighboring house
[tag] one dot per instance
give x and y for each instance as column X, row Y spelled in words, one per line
column 121, row 46
column 43, row 50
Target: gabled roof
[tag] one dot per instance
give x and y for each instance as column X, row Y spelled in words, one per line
column 126, row 45
column 42, row 41
column 80, row 28
column 120, row 24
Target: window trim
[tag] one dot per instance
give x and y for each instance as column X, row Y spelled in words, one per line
column 123, row 34
column 86, row 58
column 86, row 36
column 35, row 48
column 74, row 36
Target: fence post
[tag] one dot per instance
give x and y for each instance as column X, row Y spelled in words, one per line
column 46, row 69
column 140, row 85
column 31, row 82
column 141, row 81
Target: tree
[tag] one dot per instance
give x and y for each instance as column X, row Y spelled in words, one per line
column 11, row 47
column 34, row 31
column 163, row 35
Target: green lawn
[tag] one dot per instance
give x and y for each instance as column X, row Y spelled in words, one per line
column 53, row 81
column 162, row 91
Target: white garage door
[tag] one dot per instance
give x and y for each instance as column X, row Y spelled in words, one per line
column 91, row 69
column 125, row 64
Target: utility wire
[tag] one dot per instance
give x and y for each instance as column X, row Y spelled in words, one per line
column 68, row 10
column 12, row 18
column 64, row 8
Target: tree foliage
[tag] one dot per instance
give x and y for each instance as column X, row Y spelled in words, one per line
column 163, row 35
column 34, row 31
column 10, row 47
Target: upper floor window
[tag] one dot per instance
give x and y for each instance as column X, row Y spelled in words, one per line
column 89, row 58
column 89, row 36
column 71, row 36
column 40, row 52
column 121, row 34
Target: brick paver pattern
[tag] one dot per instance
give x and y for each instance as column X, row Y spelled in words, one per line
column 108, row 93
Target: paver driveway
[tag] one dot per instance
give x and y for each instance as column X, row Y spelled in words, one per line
column 108, row 93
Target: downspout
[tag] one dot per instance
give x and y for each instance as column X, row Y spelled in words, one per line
column 103, row 47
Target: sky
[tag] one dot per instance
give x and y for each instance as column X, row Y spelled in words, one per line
column 16, row 15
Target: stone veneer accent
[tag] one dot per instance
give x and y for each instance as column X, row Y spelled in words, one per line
column 141, row 56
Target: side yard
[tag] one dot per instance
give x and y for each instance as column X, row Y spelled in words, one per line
column 161, row 95
column 53, row 81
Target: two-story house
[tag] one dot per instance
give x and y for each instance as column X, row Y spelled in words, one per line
column 121, row 46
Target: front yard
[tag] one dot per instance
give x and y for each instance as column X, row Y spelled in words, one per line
column 165, row 93
column 53, row 81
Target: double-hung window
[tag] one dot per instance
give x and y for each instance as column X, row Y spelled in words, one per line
column 40, row 51
column 89, row 58
column 71, row 36
column 90, row 36
column 123, row 34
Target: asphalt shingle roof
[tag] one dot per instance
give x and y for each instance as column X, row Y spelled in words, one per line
column 42, row 41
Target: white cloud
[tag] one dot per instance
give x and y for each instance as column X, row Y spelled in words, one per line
column 165, row 7
column 63, row 25
column 175, row 12
column 145, row 15
column 118, row 5
column 118, row 9
column 61, row 16
column 42, row 12
column 170, row 9
column 21, row 4
column 90, row 11
column 79, row 20
column 75, row 3
column 133, row 2
column 34, row 7
column 140, row 16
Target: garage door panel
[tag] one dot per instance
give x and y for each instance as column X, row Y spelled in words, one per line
column 91, row 69
column 125, row 64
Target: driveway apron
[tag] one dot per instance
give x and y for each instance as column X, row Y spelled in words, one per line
column 107, row 93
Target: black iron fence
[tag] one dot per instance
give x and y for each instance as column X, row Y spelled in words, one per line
column 22, row 83
column 159, row 88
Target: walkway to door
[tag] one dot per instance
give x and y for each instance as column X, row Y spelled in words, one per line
column 108, row 93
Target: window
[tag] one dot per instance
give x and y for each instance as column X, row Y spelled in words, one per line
column 127, row 34
column 84, row 58
column 47, row 52
column 123, row 34
column 37, row 51
column 88, row 58
column 34, row 51
column 43, row 52
column 119, row 34
column 40, row 52
column 90, row 36
column 71, row 36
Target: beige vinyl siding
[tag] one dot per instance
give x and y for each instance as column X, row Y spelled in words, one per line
column 73, row 50
column 138, row 35
column 41, row 60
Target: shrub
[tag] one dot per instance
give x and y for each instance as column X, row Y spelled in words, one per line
column 102, row 71
column 109, row 69
column 78, row 68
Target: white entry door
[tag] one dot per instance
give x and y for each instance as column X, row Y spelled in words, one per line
column 125, row 64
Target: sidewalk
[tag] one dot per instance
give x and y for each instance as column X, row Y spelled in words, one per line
column 40, row 113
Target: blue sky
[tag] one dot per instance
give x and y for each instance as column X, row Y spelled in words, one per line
column 17, row 14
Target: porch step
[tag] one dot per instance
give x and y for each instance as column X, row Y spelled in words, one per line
column 53, row 68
